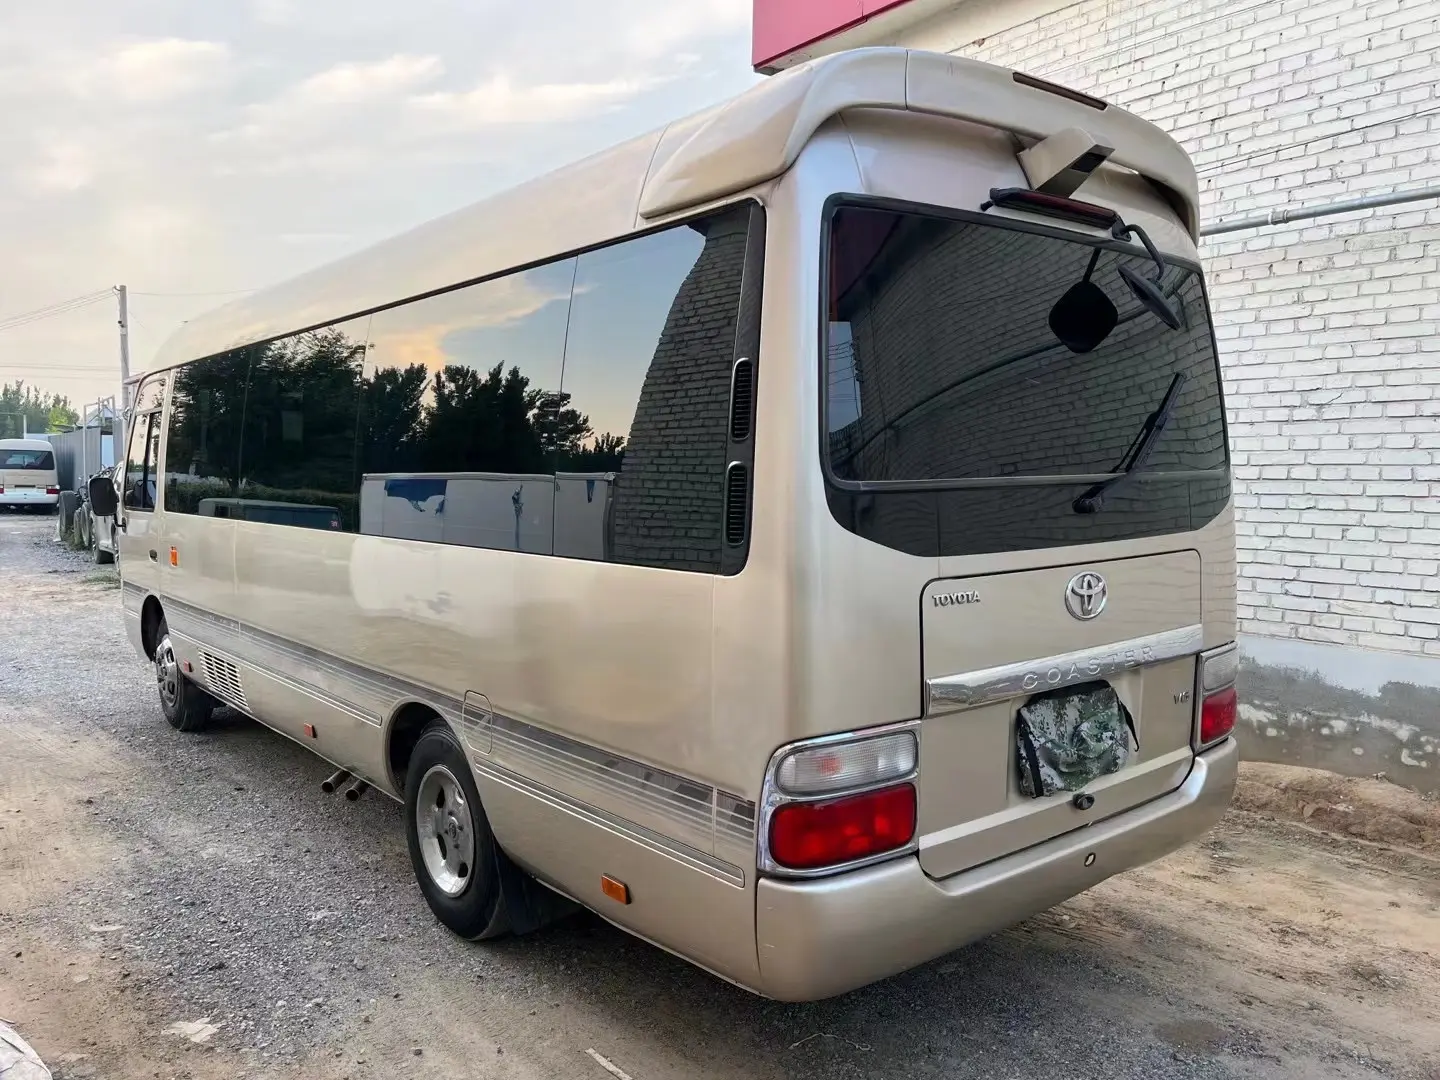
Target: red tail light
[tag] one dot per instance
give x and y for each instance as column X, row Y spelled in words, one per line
column 1217, row 715
column 52, row 491
column 807, row 836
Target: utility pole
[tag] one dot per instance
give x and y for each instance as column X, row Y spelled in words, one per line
column 124, row 347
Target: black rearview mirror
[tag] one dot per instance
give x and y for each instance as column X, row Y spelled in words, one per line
column 1083, row 317
column 101, row 492
column 1150, row 294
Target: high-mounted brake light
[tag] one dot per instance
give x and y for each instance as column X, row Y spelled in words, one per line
column 1059, row 91
column 1219, row 702
column 1037, row 202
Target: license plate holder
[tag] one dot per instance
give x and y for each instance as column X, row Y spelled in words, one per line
column 1067, row 738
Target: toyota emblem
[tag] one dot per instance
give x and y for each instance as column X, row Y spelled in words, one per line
column 1085, row 595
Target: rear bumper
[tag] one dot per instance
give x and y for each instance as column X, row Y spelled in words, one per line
column 28, row 497
column 821, row 938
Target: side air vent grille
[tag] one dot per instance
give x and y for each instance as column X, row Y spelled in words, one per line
column 737, row 493
column 222, row 678
column 742, row 399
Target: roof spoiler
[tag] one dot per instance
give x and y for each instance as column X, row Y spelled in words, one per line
column 757, row 136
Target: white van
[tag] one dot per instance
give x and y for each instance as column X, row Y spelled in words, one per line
column 27, row 475
column 841, row 561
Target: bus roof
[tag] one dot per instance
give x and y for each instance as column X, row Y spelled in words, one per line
column 727, row 149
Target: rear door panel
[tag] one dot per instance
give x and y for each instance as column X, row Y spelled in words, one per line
column 1012, row 635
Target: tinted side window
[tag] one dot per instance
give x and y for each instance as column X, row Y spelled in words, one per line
column 150, row 394
column 140, row 462
column 297, row 463
column 460, row 414
column 202, row 445
column 647, row 374
column 143, row 453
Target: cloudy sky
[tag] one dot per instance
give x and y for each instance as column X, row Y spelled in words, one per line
column 196, row 149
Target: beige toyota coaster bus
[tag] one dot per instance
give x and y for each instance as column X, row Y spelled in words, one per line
column 801, row 535
column 28, row 479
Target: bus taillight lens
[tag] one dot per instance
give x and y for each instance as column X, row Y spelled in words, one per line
column 839, row 767
column 1219, row 702
column 809, row 836
column 52, row 491
column 1217, row 715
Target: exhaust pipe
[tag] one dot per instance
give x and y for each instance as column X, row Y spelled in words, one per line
column 355, row 789
column 332, row 785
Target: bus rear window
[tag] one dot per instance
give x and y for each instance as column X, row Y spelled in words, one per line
column 948, row 391
column 36, row 460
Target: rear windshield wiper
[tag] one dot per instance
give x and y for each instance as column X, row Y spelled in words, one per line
column 1093, row 499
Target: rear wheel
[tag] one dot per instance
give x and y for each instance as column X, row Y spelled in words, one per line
column 186, row 706
column 464, row 875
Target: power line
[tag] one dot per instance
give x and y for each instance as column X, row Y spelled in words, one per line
column 63, row 307
column 231, row 292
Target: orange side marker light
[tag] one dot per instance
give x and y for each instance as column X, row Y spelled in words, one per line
column 174, row 557
column 615, row 890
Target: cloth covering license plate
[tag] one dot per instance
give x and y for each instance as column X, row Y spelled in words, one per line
column 1066, row 738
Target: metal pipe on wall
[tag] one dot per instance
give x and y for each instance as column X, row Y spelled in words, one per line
column 1305, row 213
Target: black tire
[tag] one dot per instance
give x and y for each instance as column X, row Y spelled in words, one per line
column 476, row 899
column 185, row 705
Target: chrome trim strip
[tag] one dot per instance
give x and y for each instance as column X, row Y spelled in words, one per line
column 316, row 695
column 953, row 693
column 698, row 817
column 639, row 834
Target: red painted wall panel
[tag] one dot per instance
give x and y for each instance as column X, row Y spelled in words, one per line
column 874, row 7
column 783, row 25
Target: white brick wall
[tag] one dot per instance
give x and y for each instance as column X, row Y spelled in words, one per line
column 1329, row 330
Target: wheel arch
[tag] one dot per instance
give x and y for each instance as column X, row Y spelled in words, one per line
column 402, row 731
column 151, row 616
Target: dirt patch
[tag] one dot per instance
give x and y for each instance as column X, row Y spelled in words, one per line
column 46, row 843
column 92, row 1016
column 1370, row 809
column 1323, row 953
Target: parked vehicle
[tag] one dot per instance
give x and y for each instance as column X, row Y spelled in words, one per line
column 101, row 531
column 27, row 475
column 907, row 607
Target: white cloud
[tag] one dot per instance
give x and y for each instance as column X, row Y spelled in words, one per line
column 499, row 100
column 182, row 147
column 61, row 165
column 356, row 83
column 274, row 12
column 151, row 71
column 665, row 28
column 303, row 117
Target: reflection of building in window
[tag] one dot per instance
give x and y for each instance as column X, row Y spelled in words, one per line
column 670, row 499
column 963, row 378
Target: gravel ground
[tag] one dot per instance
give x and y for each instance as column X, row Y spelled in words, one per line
column 149, row 879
